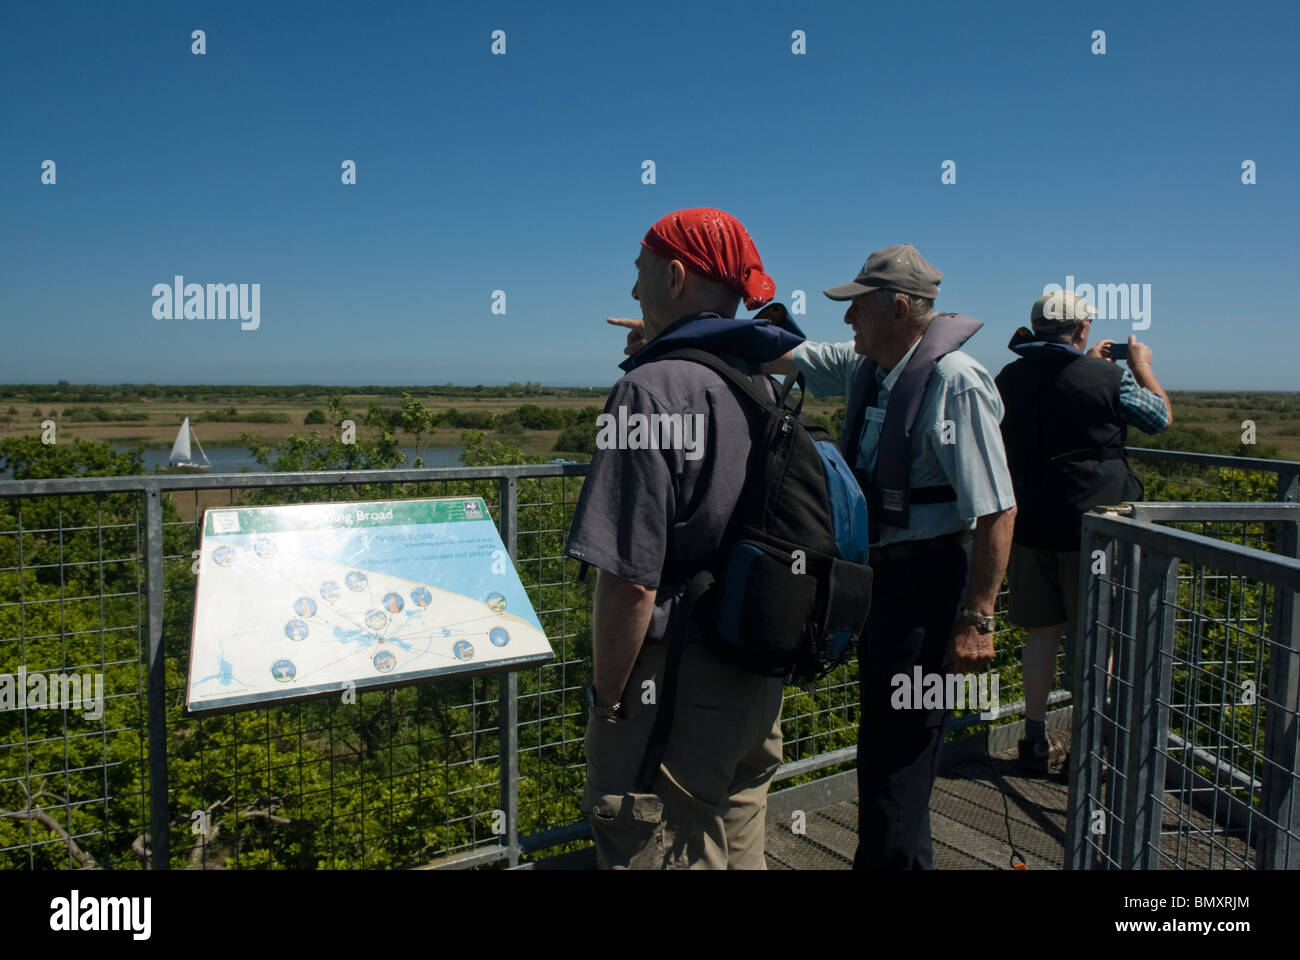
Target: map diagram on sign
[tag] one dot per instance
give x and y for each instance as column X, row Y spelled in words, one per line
column 302, row 600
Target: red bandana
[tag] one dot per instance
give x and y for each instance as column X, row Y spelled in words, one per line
column 715, row 246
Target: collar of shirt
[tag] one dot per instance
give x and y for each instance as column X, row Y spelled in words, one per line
column 887, row 380
column 755, row 340
column 1041, row 348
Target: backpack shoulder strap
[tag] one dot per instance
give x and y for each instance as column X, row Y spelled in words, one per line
column 661, row 730
column 745, row 383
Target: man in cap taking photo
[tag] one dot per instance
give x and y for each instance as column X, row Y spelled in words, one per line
column 921, row 429
column 1068, row 413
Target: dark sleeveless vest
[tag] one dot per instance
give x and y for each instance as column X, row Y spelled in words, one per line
column 1064, row 431
column 889, row 493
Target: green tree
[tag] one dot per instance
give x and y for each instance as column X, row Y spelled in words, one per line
column 345, row 447
column 417, row 420
column 579, row 438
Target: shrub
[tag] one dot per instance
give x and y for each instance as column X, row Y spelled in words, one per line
column 579, row 438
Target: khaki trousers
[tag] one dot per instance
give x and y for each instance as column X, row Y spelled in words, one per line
column 708, row 806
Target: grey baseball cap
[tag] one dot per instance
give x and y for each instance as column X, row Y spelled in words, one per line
column 900, row 268
column 1059, row 311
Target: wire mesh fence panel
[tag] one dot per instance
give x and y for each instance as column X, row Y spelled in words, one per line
column 1188, row 733
column 433, row 772
column 73, row 780
column 552, row 697
column 1105, row 693
column 1220, row 654
column 1171, row 475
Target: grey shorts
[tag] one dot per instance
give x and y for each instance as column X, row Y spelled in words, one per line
column 1044, row 587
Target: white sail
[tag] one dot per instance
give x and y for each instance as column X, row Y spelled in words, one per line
column 181, row 448
column 203, row 453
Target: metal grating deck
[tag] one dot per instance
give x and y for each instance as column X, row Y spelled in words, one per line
column 966, row 821
column 969, row 826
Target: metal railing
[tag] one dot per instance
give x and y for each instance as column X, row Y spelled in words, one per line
column 96, row 574
column 1166, row 475
column 1186, row 738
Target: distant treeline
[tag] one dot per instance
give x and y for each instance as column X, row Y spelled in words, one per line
column 1244, row 400
column 65, row 392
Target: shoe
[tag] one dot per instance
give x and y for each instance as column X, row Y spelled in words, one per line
column 1033, row 757
column 1063, row 775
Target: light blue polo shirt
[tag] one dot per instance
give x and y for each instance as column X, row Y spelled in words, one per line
column 956, row 440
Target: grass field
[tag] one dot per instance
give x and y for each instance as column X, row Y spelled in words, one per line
column 154, row 422
column 165, row 417
column 1276, row 416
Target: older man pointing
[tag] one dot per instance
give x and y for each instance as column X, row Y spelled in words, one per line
column 922, row 430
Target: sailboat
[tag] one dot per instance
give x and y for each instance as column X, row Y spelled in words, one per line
column 181, row 449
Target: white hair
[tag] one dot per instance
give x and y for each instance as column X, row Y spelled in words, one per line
column 921, row 308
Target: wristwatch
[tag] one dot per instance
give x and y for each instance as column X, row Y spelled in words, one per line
column 598, row 708
column 985, row 622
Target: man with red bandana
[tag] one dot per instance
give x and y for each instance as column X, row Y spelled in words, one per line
column 651, row 515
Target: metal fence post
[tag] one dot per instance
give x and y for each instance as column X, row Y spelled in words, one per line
column 1116, row 698
column 1148, row 715
column 1288, row 485
column 159, row 813
column 1279, row 846
column 509, row 709
column 1085, row 733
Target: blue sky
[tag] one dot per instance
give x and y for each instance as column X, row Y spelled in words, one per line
column 522, row 173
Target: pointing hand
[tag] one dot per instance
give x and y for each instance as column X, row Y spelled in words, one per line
column 635, row 332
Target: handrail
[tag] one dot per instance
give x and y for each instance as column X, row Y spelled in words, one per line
column 207, row 481
column 199, row 481
column 1215, row 459
column 1230, row 557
